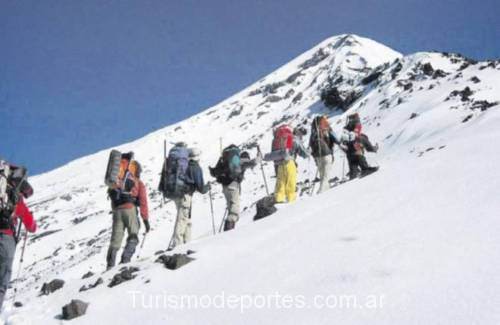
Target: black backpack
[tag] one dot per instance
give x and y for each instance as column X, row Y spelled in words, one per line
column 228, row 168
column 13, row 183
column 320, row 143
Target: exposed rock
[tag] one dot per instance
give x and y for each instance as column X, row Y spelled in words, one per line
column 282, row 120
column 427, row 69
column 126, row 274
column 371, row 77
column 294, row 77
column 272, row 88
column 413, row 115
column 483, row 105
column 467, row 118
column 265, row 207
column 395, row 71
column 319, row 56
column 333, row 98
column 92, row 286
column 52, row 286
column 66, row 197
column 87, row 275
column 439, row 74
column 464, row 94
column 297, row 98
column 175, row 261
column 18, row 304
column 260, row 114
column 273, row 99
column 75, row 308
column 475, row 80
column 289, row 93
column 235, row 112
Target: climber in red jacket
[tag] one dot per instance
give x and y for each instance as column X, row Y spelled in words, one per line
column 14, row 188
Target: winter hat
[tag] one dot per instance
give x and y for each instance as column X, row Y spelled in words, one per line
column 300, row 131
column 194, row 154
column 245, row 155
column 181, row 144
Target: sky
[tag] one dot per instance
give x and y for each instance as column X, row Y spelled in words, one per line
column 80, row 76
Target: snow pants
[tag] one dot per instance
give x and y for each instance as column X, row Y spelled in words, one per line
column 232, row 195
column 7, row 251
column 357, row 163
column 286, row 182
column 123, row 219
column 324, row 165
column 182, row 230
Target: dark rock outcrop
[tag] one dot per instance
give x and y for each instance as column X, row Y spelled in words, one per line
column 87, row 275
column 265, row 207
column 334, row 98
column 173, row 262
column 126, row 274
column 92, row 286
column 464, row 94
column 74, row 309
column 52, row 286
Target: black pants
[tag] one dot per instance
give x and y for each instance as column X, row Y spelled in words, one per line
column 357, row 164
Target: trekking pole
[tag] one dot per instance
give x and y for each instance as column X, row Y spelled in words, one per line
column 343, row 167
column 262, row 170
column 212, row 208
column 142, row 245
column 223, row 219
column 164, row 167
column 314, row 183
column 21, row 260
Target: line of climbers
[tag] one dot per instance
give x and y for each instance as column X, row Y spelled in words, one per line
column 181, row 177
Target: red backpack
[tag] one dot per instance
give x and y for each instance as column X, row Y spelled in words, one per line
column 283, row 138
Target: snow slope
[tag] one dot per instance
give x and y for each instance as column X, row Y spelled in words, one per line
column 417, row 236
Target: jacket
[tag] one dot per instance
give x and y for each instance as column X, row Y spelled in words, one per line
column 140, row 198
column 21, row 212
column 195, row 176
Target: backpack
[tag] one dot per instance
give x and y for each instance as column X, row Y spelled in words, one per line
column 228, row 168
column 174, row 182
column 118, row 178
column 353, row 123
column 12, row 184
column 320, row 136
column 283, row 138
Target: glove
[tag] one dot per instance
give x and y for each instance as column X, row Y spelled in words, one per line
column 206, row 188
column 376, row 147
column 343, row 147
column 146, row 224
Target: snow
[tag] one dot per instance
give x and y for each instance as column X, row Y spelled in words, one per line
column 419, row 237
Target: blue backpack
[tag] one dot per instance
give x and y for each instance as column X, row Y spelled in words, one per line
column 175, row 181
